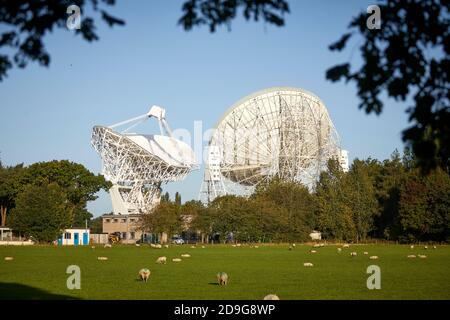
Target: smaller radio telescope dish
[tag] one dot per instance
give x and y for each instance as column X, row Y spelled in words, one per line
column 138, row 164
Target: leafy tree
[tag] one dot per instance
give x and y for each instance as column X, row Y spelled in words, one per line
column 165, row 218
column 215, row 13
column 26, row 22
column 9, row 188
column 80, row 184
column 177, row 199
column 424, row 207
column 96, row 225
column 42, row 212
column 408, row 59
column 296, row 200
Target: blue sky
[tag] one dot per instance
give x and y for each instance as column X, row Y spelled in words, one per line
column 48, row 113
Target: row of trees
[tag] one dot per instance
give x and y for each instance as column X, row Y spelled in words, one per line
column 388, row 199
column 42, row 199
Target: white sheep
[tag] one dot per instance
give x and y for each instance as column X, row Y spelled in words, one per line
column 339, row 249
column 222, row 278
column 256, row 247
column 411, row 256
column 161, row 260
column 322, row 244
column 422, row 256
column 176, row 260
column 345, row 245
column 93, row 247
column 203, row 247
column 313, row 251
column 166, row 246
column 238, row 245
column 185, row 255
column 373, row 257
column 353, row 254
column 137, row 245
column 425, row 247
column 271, row 297
column 152, row 245
column 107, row 245
column 412, row 246
column 365, row 252
column 9, row 258
column 233, row 245
column 193, row 247
column 158, row 246
column 102, row 258
column 294, row 247
column 434, row 247
column 316, row 245
column 308, row 264
column 144, row 274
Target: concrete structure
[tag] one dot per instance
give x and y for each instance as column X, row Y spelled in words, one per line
column 74, row 237
column 6, row 234
column 127, row 225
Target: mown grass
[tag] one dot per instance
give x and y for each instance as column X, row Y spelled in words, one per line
column 39, row 272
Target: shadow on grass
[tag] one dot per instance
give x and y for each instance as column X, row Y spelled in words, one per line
column 213, row 283
column 16, row 291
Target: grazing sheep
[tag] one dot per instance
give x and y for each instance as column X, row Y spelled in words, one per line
column 193, row 247
column 308, row 264
column 434, row 247
column 425, row 247
column 422, row 256
column 233, row 245
column 161, row 260
column 93, row 247
column 107, row 245
column 316, row 245
column 345, row 245
column 353, row 254
column 9, row 258
column 290, row 248
column 203, row 247
column 411, row 256
column 322, row 244
column 294, row 247
column 365, row 252
column 152, row 245
column 158, row 246
column 102, row 258
column 176, row 260
column 271, row 297
column 137, row 245
column 166, row 246
column 222, row 278
column 186, row 255
column 238, row 245
column 412, row 246
column 339, row 249
column 373, row 257
column 313, row 251
column 144, row 274
column 256, row 247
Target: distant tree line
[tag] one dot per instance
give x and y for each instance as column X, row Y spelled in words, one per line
column 390, row 199
column 41, row 200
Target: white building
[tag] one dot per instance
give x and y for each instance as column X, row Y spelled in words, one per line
column 315, row 235
column 74, row 237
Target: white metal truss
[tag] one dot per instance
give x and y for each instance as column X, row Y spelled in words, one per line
column 136, row 173
column 284, row 132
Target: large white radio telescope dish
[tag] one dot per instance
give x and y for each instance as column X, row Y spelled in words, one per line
column 138, row 164
column 278, row 132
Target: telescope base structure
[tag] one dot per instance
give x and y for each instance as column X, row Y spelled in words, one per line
column 134, row 200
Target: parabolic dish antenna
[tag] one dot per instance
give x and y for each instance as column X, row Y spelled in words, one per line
column 139, row 164
column 278, row 132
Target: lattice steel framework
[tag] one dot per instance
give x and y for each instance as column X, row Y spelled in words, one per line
column 136, row 173
column 284, row 132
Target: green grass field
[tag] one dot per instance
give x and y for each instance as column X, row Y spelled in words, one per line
column 39, row 272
